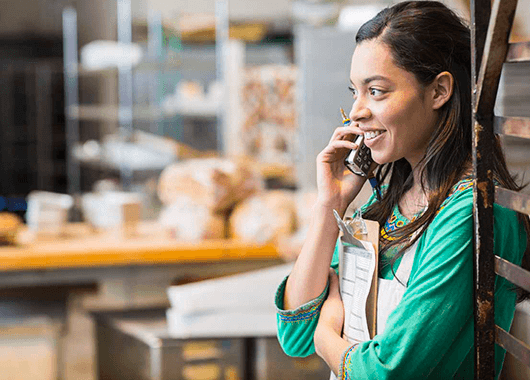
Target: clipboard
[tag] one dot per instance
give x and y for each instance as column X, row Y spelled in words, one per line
column 373, row 231
column 370, row 237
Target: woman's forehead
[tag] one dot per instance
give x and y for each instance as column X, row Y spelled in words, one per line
column 373, row 59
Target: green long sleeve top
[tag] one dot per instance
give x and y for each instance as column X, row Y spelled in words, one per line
column 430, row 333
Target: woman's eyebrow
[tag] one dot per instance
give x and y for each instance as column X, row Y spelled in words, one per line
column 373, row 78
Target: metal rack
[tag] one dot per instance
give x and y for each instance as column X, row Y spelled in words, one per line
column 491, row 26
column 134, row 110
column 124, row 113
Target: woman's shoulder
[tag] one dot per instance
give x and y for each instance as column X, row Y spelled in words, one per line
column 459, row 202
column 460, row 195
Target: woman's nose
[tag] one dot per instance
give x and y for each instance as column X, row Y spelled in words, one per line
column 359, row 110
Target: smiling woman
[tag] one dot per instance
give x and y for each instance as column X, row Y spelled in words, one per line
column 411, row 85
column 396, row 113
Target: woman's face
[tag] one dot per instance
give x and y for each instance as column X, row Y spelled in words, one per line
column 390, row 106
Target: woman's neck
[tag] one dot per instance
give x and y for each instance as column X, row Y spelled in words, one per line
column 416, row 198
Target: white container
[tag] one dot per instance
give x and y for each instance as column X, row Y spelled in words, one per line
column 48, row 212
column 108, row 209
column 513, row 369
column 253, row 290
column 226, row 324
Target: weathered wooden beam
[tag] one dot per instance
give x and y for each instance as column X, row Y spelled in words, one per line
column 518, row 52
column 519, row 349
column 512, row 199
column 487, row 59
column 512, row 126
column 495, row 49
column 513, row 273
column 484, row 274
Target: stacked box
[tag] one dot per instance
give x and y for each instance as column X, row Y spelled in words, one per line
column 137, row 345
column 30, row 348
column 270, row 362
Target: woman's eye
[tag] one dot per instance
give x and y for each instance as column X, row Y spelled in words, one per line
column 353, row 91
column 375, row 92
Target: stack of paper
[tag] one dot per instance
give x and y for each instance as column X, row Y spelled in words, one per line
column 238, row 305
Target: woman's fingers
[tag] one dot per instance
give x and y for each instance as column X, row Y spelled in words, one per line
column 340, row 144
column 335, row 150
column 342, row 133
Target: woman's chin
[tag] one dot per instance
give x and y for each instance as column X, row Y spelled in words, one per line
column 379, row 159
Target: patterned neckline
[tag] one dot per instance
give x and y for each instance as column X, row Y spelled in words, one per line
column 397, row 220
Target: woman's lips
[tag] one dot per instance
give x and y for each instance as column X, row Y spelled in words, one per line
column 372, row 137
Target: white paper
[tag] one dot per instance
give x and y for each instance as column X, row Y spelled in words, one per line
column 356, row 271
column 358, row 266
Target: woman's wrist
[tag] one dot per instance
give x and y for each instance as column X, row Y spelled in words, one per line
column 330, row 347
column 328, row 205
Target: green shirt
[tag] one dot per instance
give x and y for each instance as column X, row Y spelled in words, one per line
column 430, row 333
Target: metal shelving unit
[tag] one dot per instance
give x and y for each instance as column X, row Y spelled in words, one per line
column 125, row 113
column 141, row 90
column 491, row 26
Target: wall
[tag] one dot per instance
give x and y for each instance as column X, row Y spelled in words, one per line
column 99, row 21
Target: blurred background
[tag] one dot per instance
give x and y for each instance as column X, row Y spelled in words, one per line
column 150, row 145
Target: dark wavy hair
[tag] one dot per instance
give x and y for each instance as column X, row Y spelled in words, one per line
column 427, row 38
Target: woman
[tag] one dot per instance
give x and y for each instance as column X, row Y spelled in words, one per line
column 410, row 80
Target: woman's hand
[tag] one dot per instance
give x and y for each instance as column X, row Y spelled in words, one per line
column 331, row 319
column 337, row 186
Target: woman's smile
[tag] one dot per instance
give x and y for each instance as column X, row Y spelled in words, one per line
column 371, row 137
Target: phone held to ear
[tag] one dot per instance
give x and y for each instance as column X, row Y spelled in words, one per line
column 359, row 161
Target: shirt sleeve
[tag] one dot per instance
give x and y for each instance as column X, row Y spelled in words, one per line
column 296, row 328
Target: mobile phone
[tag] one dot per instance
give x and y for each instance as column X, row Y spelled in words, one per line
column 359, row 161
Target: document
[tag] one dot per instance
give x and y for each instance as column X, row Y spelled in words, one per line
column 358, row 262
column 356, row 277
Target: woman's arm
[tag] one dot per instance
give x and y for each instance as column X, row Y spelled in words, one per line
column 337, row 187
column 310, row 272
column 328, row 342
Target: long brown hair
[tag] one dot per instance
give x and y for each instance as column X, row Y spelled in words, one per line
column 427, row 38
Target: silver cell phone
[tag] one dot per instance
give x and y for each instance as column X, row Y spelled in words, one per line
column 359, row 161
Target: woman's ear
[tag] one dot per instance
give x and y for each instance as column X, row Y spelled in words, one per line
column 442, row 87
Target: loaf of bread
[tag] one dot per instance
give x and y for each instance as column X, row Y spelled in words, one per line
column 216, row 183
column 289, row 247
column 9, row 225
column 185, row 219
column 264, row 217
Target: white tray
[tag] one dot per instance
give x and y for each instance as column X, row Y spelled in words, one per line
column 241, row 292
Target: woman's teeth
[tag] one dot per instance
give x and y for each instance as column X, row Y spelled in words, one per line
column 372, row 135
